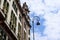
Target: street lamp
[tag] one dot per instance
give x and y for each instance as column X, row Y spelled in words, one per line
column 36, row 24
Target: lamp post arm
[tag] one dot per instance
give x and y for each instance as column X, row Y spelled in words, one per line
column 36, row 17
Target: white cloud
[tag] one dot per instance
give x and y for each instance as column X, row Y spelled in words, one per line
column 38, row 36
column 51, row 13
column 52, row 29
column 35, row 6
column 52, row 24
column 53, row 3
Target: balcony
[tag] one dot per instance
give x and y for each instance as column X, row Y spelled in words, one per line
column 10, row 33
column 5, row 26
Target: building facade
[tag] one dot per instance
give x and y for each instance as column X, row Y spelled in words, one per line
column 14, row 20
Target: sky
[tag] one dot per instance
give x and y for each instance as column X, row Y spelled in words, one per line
column 49, row 13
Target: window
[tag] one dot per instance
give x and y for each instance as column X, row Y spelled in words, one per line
column 18, row 36
column 19, row 28
column 19, row 17
column 24, row 35
column 24, row 25
column 5, row 7
column 19, row 31
column 2, row 34
column 29, row 38
column 0, row 2
column 29, row 32
column 14, row 6
column 13, row 22
column 9, row 0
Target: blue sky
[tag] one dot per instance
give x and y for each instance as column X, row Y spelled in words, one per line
column 49, row 13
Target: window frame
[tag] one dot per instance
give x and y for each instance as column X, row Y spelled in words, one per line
column 5, row 7
column 14, row 6
column 13, row 21
column 19, row 31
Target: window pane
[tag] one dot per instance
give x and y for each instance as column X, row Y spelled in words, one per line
column 24, row 35
column 5, row 7
column 29, row 38
column 19, row 17
column 19, row 31
column 13, row 22
column 0, row 2
column 2, row 34
column 15, row 7
column 29, row 32
column 24, row 25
